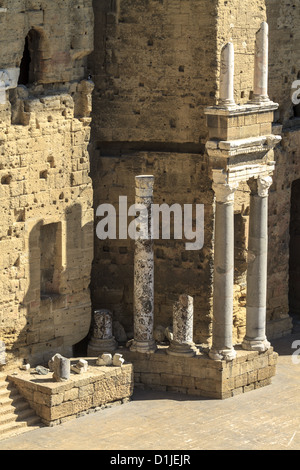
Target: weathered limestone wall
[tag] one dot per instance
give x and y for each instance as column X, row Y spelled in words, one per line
column 156, row 67
column 46, row 235
column 284, row 69
column 66, row 36
column 238, row 23
column 178, row 178
column 284, row 54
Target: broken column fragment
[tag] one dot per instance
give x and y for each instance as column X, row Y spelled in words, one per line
column 102, row 339
column 2, row 354
column 143, row 308
column 104, row 360
column 61, row 367
column 260, row 91
column 183, row 316
column 80, row 367
column 227, row 76
column 118, row 360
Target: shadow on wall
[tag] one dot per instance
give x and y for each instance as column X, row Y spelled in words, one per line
column 284, row 69
column 57, row 303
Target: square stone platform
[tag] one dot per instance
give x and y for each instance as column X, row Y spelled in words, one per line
column 200, row 375
column 55, row 402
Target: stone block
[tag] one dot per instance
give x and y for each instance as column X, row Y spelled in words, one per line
column 57, row 401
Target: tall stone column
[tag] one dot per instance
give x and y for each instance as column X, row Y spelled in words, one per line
column 143, row 307
column 222, row 347
column 227, row 76
column 260, row 91
column 255, row 338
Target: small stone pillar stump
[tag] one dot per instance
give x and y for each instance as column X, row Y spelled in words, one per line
column 2, row 354
column 102, row 339
column 183, row 316
column 143, row 302
column 61, row 367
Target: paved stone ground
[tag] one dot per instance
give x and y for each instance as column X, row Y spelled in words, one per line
column 264, row 419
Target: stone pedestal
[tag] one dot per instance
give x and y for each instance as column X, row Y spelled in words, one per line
column 102, row 339
column 144, row 271
column 183, row 316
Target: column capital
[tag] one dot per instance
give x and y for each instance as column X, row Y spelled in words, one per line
column 225, row 192
column 263, row 185
column 260, row 186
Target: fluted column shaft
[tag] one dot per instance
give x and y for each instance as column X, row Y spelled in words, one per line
column 222, row 347
column 255, row 338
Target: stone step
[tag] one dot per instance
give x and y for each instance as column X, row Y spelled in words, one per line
column 19, row 415
column 17, row 427
column 16, row 416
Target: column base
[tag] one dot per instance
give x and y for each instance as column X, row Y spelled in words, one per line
column 260, row 100
column 143, row 346
column 99, row 346
column 222, row 354
column 227, row 104
column 256, row 345
column 182, row 349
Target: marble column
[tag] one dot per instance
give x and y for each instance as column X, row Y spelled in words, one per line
column 255, row 339
column 183, row 318
column 222, row 347
column 143, row 302
column 227, row 76
column 260, row 91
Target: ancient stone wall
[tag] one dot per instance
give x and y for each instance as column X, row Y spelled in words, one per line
column 46, row 239
column 176, row 270
column 284, row 69
column 238, row 23
column 156, row 67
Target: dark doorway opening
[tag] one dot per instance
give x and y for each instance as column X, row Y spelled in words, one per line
column 294, row 252
column 30, row 67
column 25, row 64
